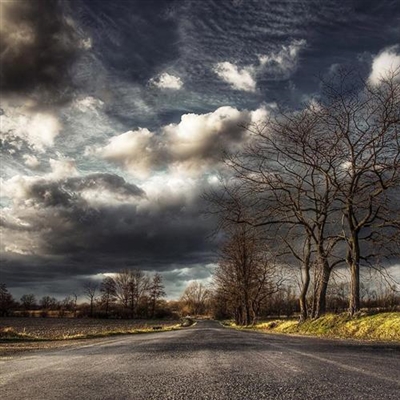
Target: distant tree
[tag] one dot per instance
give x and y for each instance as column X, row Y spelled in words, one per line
column 6, row 300
column 131, row 287
column 108, row 292
column 122, row 287
column 246, row 275
column 74, row 304
column 195, row 298
column 47, row 303
column 156, row 292
column 67, row 304
column 89, row 291
column 28, row 301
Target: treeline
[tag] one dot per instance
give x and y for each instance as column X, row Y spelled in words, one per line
column 315, row 191
column 199, row 300
column 126, row 294
column 196, row 300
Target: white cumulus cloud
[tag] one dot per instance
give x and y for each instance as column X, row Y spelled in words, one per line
column 280, row 65
column 136, row 151
column 238, row 78
column 167, row 81
column 191, row 147
column 385, row 63
column 37, row 129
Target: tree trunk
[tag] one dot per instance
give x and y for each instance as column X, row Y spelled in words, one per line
column 320, row 299
column 303, row 296
column 353, row 259
column 91, row 307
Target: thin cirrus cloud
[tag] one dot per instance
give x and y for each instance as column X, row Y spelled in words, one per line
column 276, row 65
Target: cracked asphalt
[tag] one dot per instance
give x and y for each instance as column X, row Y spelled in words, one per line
column 206, row 361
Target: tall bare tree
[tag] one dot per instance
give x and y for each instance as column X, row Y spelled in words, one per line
column 329, row 174
column 245, row 276
column 296, row 198
column 363, row 121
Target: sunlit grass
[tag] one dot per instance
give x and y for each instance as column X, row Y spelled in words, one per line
column 382, row 327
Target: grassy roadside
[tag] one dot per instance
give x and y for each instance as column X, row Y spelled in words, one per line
column 15, row 339
column 378, row 327
column 9, row 334
column 33, row 329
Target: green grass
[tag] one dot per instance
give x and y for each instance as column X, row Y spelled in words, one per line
column 378, row 327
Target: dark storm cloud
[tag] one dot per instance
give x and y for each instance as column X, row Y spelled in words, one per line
column 78, row 231
column 66, row 192
column 38, row 45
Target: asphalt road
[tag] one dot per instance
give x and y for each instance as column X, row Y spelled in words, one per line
column 206, row 361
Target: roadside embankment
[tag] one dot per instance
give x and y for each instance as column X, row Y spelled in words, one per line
column 379, row 327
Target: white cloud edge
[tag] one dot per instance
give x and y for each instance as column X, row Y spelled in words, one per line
column 385, row 63
column 281, row 63
column 167, row 81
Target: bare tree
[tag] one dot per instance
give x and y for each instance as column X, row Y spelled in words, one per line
column 246, row 275
column 364, row 123
column 156, row 292
column 195, row 298
column 297, row 205
column 131, row 286
column 89, row 291
column 330, row 174
column 6, row 300
column 108, row 292
column 28, row 301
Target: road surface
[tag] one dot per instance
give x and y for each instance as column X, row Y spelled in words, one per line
column 205, row 361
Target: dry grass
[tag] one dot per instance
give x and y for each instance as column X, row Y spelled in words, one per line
column 378, row 327
column 36, row 329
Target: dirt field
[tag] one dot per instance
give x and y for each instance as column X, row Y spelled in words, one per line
column 28, row 334
column 66, row 328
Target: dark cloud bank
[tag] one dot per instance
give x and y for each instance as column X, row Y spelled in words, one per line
column 141, row 154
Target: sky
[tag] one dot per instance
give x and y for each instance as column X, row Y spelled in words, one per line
column 114, row 116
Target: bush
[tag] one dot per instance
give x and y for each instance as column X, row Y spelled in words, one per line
column 187, row 321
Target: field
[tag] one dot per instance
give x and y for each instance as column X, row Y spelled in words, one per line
column 27, row 334
column 69, row 328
